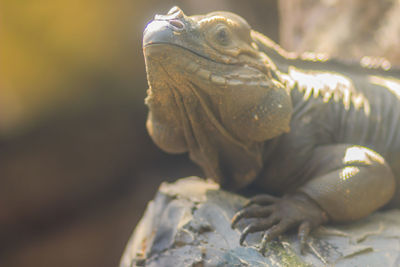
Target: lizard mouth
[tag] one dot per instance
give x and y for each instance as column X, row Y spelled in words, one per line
column 154, row 44
column 196, row 65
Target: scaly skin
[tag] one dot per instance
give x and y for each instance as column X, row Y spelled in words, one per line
column 321, row 136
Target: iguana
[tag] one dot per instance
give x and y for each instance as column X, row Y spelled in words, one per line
column 320, row 137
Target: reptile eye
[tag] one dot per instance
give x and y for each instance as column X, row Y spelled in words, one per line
column 223, row 36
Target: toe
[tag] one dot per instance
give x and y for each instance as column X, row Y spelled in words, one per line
column 304, row 230
column 262, row 200
column 259, row 225
column 274, row 232
column 250, row 212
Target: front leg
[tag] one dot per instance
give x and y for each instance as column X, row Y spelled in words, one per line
column 349, row 183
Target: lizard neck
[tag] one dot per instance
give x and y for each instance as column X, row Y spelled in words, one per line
column 311, row 75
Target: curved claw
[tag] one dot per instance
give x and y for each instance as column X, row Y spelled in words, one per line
column 264, row 243
column 239, row 215
column 304, row 231
column 244, row 234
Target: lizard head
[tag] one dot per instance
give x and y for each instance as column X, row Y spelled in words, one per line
column 214, row 57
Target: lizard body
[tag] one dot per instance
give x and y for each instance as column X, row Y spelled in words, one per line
column 320, row 135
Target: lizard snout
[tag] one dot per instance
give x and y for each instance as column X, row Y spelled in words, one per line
column 174, row 17
column 164, row 27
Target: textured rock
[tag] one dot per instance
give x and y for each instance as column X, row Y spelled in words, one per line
column 188, row 223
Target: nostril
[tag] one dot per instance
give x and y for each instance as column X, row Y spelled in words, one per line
column 176, row 11
column 177, row 24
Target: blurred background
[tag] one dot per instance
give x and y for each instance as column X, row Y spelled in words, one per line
column 76, row 164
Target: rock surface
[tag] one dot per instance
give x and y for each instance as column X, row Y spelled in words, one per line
column 188, row 224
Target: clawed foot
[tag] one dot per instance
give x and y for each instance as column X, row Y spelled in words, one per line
column 276, row 216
